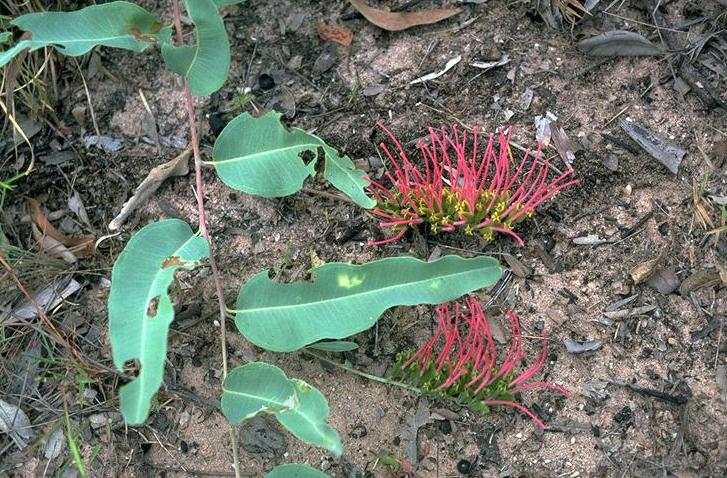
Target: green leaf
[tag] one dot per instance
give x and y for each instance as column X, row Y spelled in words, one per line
column 343, row 175
column 116, row 24
column 140, row 309
column 259, row 387
column 334, row 346
column 5, row 37
column 206, row 63
column 260, row 156
column 295, row 470
column 224, row 3
column 307, row 421
column 344, row 299
column 254, row 388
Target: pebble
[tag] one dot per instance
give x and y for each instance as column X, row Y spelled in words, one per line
column 519, row 435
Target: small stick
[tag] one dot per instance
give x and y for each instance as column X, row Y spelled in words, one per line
column 375, row 378
column 205, row 232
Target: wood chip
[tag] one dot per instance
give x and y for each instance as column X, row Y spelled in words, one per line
column 622, row 314
column 698, row 280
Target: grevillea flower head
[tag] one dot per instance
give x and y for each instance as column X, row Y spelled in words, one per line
column 460, row 184
column 461, row 361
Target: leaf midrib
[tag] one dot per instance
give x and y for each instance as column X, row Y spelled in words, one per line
column 143, row 378
column 354, row 296
column 267, row 152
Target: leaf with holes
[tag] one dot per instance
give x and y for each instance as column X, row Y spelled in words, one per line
column 140, row 309
column 260, row 156
column 116, row 24
column 295, row 470
column 206, row 63
column 344, row 176
column 344, row 299
column 259, row 387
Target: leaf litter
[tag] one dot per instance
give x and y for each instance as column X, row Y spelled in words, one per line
column 397, row 21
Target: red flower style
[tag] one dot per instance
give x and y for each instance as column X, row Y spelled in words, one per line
column 465, row 365
column 459, row 185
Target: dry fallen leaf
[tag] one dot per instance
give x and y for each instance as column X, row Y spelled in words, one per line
column 178, row 166
column 338, row 34
column 397, row 21
column 82, row 246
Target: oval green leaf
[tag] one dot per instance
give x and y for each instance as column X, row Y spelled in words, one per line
column 295, row 470
column 140, row 309
column 253, row 388
column 206, row 63
column 260, row 156
column 307, row 420
column 260, row 387
column 334, row 346
column 344, row 299
column 116, row 24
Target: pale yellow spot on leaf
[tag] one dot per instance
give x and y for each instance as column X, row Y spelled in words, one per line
column 349, row 282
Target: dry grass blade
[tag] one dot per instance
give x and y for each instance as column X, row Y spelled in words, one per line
column 573, row 10
column 701, row 208
column 397, row 21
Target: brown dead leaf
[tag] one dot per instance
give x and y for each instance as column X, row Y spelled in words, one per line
column 82, row 246
column 178, row 166
column 397, row 21
column 338, row 34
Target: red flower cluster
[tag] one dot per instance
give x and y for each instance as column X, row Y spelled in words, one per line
column 459, row 185
column 465, row 367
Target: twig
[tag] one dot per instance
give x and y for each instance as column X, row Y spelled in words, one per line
column 325, row 194
column 375, row 378
column 191, row 116
column 190, row 471
column 667, row 397
column 41, row 313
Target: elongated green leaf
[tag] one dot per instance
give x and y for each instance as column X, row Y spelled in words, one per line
column 222, row 3
column 116, row 24
column 259, row 387
column 307, row 421
column 254, row 388
column 206, row 63
column 295, row 470
column 259, row 156
column 334, row 346
column 140, row 309
column 344, row 299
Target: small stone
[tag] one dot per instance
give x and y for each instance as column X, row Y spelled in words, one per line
column 184, row 419
column 266, row 82
column 519, row 435
column 464, row 466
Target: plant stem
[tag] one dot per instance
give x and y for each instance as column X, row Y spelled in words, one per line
column 375, row 378
column 203, row 228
